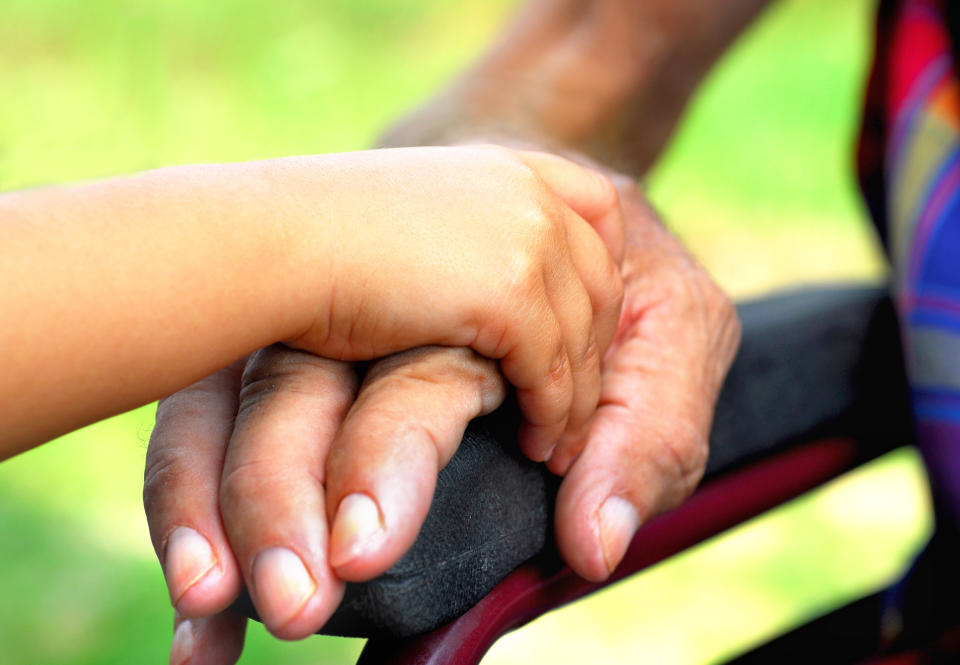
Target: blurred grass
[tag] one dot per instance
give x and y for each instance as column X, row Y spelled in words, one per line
column 758, row 182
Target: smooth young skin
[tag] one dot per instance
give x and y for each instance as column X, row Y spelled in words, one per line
column 350, row 256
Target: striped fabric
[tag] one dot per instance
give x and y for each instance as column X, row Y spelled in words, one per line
column 910, row 167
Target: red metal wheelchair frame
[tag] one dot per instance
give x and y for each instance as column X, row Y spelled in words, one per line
column 536, row 588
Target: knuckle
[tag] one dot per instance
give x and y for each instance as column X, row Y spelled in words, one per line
column 236, row 484
column 262, row 376
column 459, row 382
column 608, row 194
column 435, row 365
column 416, row 381
column 186, row 405
column 249, row 479
column 422, row 355
column 291, row 375
column 454, row 375
column 709, row 291
column 517, row 168
column 162, row 472
column 511, row 166
column 614, row 288
column 502, row 339
column 523, row 279
column 526, row 257
column 544, row 213
column 544, row 233
column 262, row 363
column 558, row 372
column 413, row 431
column 552, row 393
column 717, row 298
column 724, row 323
column 278, row 362
column 256, row 394
column 683, row 449
column 589, row 356
column 669, row 455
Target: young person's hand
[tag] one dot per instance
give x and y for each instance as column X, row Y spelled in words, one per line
column 646, row 445
column 507, row 258
column 247, row 468
column 513, row 254
column 351, row 256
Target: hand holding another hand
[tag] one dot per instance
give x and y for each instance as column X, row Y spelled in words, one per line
column 644, row 447
column 249, row 468
column 484, row 247
column 281, row 472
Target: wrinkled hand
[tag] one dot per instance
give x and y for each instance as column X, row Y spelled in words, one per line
column 247, row 468
column 645, row 449
column 514, row 254
column 642, row 452
column 279, row 475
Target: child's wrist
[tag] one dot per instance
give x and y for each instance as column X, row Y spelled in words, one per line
column 297, row 204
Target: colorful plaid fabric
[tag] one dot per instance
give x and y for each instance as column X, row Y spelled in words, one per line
column 910, row 170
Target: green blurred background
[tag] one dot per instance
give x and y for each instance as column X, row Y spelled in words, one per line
column 758, row 182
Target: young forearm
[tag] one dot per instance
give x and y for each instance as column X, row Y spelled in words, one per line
column 123, row 291
column 119, row 292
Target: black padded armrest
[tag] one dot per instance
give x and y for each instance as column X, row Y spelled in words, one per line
column 811, row 362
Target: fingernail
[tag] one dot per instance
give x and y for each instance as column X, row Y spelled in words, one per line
column 617, row 520
column 182, row 647
column 282, row 585
column 357, row 527
column 189, row 558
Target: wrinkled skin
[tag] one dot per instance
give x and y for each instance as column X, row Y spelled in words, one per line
column 642, row 451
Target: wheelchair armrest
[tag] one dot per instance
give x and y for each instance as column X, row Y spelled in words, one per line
column 545, row 584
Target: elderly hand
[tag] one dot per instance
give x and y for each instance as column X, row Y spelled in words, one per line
column 253, row 463
column 645, row 448
column 247, row 468
column 642, row 451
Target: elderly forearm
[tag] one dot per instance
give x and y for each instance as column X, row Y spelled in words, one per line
column 683, row 40
column 608, row 78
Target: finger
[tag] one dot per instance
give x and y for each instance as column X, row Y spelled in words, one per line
column 601, row 278
column 215, row 640
column 646, row 447
column 406, row 424
column 605, row 287
column 589, row 193
column 574, row 311
column 538, row 367
column 272, row 495
column 180, row 493
column 645, row 451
